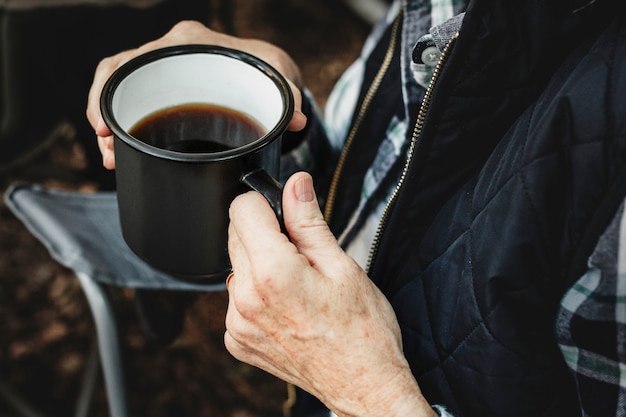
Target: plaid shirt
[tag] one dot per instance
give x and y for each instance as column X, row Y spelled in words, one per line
column 591, row 325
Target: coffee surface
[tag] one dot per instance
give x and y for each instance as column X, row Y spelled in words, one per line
column 197, row 128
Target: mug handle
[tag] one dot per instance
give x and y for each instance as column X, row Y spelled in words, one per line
column 259, row 180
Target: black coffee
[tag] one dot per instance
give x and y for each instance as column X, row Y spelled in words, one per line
column 197, row 128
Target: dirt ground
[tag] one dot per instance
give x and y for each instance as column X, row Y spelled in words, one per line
column 46, row 328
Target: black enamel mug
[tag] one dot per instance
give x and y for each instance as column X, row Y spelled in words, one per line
column 194, row 126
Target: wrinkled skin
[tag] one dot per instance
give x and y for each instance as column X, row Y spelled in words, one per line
column 303, row 310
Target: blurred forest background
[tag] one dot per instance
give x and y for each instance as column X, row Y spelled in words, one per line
column 46, row 327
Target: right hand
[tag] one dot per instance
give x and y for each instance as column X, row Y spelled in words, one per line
column 302, row 309
column 189, row 32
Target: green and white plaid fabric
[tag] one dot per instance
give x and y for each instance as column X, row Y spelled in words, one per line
column 417, row 22
column 591, row 326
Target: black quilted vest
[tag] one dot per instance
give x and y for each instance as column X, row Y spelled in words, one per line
column 519, row 167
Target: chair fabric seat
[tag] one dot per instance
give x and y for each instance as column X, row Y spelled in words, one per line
column 82, row 232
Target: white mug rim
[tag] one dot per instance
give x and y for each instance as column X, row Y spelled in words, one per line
column 129, row 67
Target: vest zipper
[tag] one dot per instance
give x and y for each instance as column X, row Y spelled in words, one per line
column 414, row 141
column 332, row 191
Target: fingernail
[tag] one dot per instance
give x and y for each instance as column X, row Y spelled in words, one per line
column 304, row 189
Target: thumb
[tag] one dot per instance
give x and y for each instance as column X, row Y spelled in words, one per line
column 304, row 220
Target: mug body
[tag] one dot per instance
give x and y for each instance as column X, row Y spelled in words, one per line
column 174, row 215
column 173, row 203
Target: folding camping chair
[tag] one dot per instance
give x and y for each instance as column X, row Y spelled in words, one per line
column 81, row 231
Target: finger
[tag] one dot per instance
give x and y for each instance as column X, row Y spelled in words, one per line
column 245, row 337
column 242, row 294
column 105, row 144
column 298, row 122
column 238, row 348
column 238, row 259
column 299, row 119
column 247, row 344
column 269, row 252
column 104, row 70
column 102, row 130
column 242, row 352
column 255, row 224
column 305, row 222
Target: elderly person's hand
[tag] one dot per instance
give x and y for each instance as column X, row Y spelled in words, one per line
column 189, row 32
column 303, row 310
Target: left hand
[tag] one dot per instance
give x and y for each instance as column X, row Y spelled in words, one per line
column 189, row 32
column 304, row 311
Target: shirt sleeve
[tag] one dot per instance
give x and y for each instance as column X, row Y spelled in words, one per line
column 591, row 326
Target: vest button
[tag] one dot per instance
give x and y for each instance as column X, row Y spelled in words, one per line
column 430, row 56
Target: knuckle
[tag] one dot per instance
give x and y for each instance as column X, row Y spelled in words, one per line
column 186, row 28
column 233, row 347
column 106, row 64
column 249, row 311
